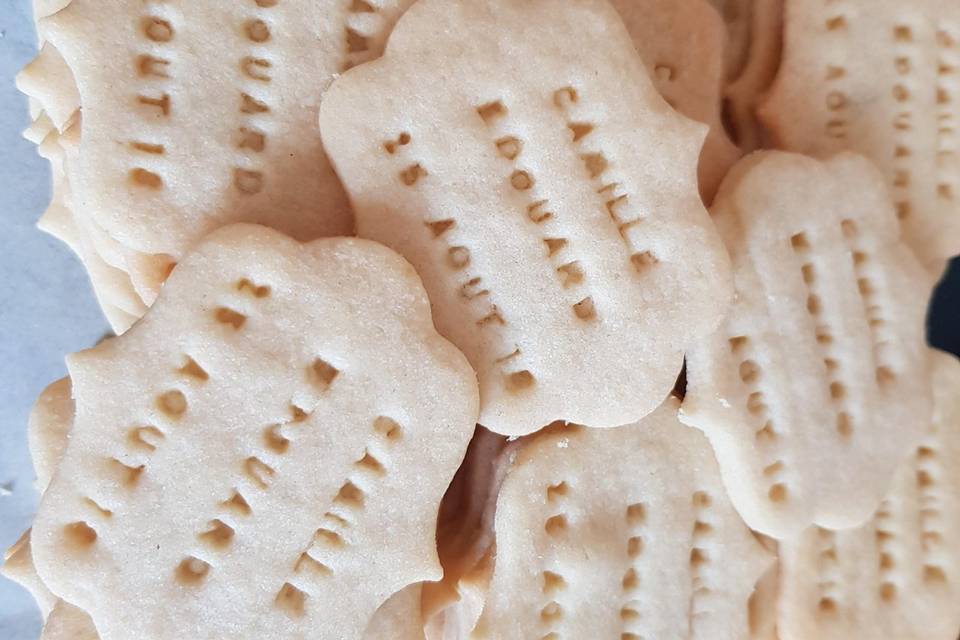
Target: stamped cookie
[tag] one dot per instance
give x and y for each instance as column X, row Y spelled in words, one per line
column 879, row 77
column 817, row 381
column 523, row 161
column 204, row 113
column 67, row 622
column 48, row 427
column 18, row 566
column 620, row 533
column 898, row 576
column 112, row 286
column 192, row 501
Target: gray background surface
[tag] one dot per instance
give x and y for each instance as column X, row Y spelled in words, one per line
column 47, row 308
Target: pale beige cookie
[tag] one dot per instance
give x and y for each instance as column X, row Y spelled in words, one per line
column 236, row 455
column 67, row 622
column 896, row 577
column 744, row 94
column 879, row 77
column 204, row 113
column 620, row 533
column 18, row 566
column 48, row 427
column 762, row 607
column 817, row 382
column 681, row 42
column 522, row 160
column 40, row 127
column 398, row 618
column 112, row 287
column 48, row 80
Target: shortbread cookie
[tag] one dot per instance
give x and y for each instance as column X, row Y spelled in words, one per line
column 112, row 286
column 896, row 577
column 880, row 77
column 817, row 382
column 681, row 43
column 193, row 462
column 49, row 425
column 523, row 161
column 620, row 533
column 398, row 618
column 199, row 114
column 18, row 566
column 762, row 607
column 48, row 79
column 67, row 622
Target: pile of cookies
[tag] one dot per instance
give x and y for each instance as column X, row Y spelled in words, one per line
column 500, row 319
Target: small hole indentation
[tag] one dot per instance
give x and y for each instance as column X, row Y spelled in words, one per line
column 778, row 493
column 291, row 600
column 636, row 514
column 521, row 180
column 412, row 174
column 147, row 437
column 248, row 182
column 844, row 424
column 520, row 381
column 551, row 613
column 553, row 582
column 885, row 376
column 838, row 391
column 274, row 440
column 585, row 309
column 595, row 163
column 237, row 504
column 322, row 373
column 458, row 257
column 172, row 404
column 193, row 370
column 933, row 573
column 218, row 535
column 557, row 491
column 555, row 525
column 157, row 29
column 223, row 315
column 258, row 471
column 350, row 495
column 79, row 536
column 387, row 428
column 146, row 179
column 491, row 110
column 257, row 31
column 749, row 371
column 370, row 463
column 509, row 147
column 191, row 571
column 799, row 242
column 643, row 260
column 888, row 591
